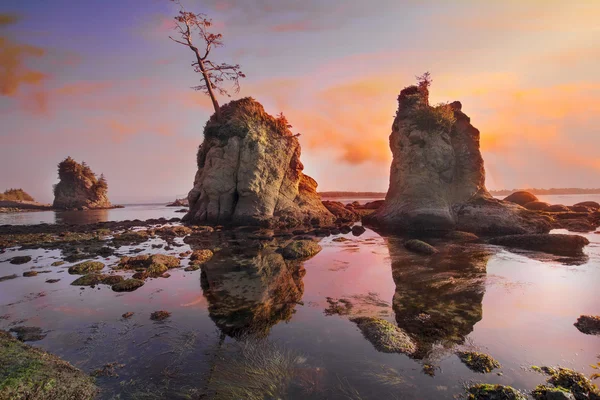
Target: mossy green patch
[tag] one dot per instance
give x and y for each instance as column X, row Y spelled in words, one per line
column 385, row 336
column 300, row 249
column 478, row 362
column 128, row 285
column 86, row 267
column 486, row 391
column 30, row 373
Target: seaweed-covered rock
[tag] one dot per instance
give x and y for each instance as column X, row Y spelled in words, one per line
column 576, row 382
column 200, row 256
column 437, row 177
column 559, row 244
column 486, row 391
column 588, row 324
column 419, row 246
column 28, row 333
column 86, row 267
column 79, row 188
column 521, row 197
column 249, row 172
column 300, row 249
column 152, row 265
column 545, row 392
column 160, row 315
column 96, row 279
column 385, row 336
column 128, row 285
column 478, row 362
column 30, row 373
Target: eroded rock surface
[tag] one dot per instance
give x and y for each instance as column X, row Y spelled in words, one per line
column 79, row 188
column 437, row 177
column 249, row 172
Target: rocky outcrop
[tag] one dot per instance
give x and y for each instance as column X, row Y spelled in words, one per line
column 437, row 177
column 521, row 197
column 79, row 189
column 249, row 172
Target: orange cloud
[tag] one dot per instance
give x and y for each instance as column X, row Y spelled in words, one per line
column 13, row 71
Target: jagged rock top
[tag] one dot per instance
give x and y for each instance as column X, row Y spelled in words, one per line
column 79, row 188
column 249, row 172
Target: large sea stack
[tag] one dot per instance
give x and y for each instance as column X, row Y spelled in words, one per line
column 79, row 189
column 437, row 177
column 249, row 172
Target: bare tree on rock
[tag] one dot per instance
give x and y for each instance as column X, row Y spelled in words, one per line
column 188, row 25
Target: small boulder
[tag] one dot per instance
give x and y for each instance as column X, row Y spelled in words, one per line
column 358, row 230
column 160, row 315
column 419, row 246
column 537, row 206
column 8, row 277
column 478, row 362
column 86, row 267
column 201, row 256
column 300, row 249
column 589, row 204
column 128, row 285
column 521, row 198
column 385, row 336
column 29, row 274
column 558, row 208
column 127, row 315
column 486, row 391
column 341, row 212
column 559, row 244
column 588, row 324
column 18, row 260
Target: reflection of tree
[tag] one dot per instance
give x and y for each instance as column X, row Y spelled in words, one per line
column 248, row 294
column 438, row 298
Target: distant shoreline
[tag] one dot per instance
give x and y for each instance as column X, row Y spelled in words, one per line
column 504, row 192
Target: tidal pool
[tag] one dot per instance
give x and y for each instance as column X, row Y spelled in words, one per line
column 250, row 324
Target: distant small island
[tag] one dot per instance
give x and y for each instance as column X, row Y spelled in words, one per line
column 503, row 192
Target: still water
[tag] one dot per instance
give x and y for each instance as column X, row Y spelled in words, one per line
column 249, row 317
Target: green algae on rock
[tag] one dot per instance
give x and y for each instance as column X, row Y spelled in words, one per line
column 419, row 246
column 545, row 392
column 485, row 391
column 581, row 387
column 149, row 263
column 478, row 362
column 300, row 249
column 201, row 256
column 86, row 267
column 28, row 373
column 385, row 336
column 96, row 279
column 128, row 285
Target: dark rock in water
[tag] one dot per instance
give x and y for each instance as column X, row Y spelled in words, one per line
column 437, row 177
column 52, row 280
column 20, row 260
column 558, row 208
column 29, row 274
column 589, row 204
column 7, row 277
column 79, row 188
column 419, row 246
column 31, row 373
column 128, row 285
column 385, row 336
column 562, row 245
column 358, row 230
column 478, row 362
column 588, row 324
column 537, row 206
column 341, row 212
column 249, row 172
column 486, row 391
column 179, row 203
column 128, row 315
column 160, row 315
column 300, row 249
column 28, row 333
column 521, row 198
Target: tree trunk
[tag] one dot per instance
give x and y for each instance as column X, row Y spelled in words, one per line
column 211, row 93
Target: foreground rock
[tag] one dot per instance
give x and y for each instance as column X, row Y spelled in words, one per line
column 79, row 189
column 521, row 197
column 385, row 336
column 478, row 362
column 588, row 324
column 249, row 172
column 566, row 381
column 30, row 373
column 437, row 177
column 300, row 249
column 485, row 391
column 562, row 245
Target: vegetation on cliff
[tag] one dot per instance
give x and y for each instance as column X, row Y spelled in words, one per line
column 79, row 187
column 15, row 195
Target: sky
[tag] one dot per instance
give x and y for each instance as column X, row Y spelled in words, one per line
column 101, row 81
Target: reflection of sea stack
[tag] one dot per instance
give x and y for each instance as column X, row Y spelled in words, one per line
column 248, row 294
column 437, row 177
column 249, row 172
column 79, row 188
column 438, row 299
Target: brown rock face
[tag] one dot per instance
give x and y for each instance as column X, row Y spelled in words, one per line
column 249, row 172
column 79, row 188
column 437, row 177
